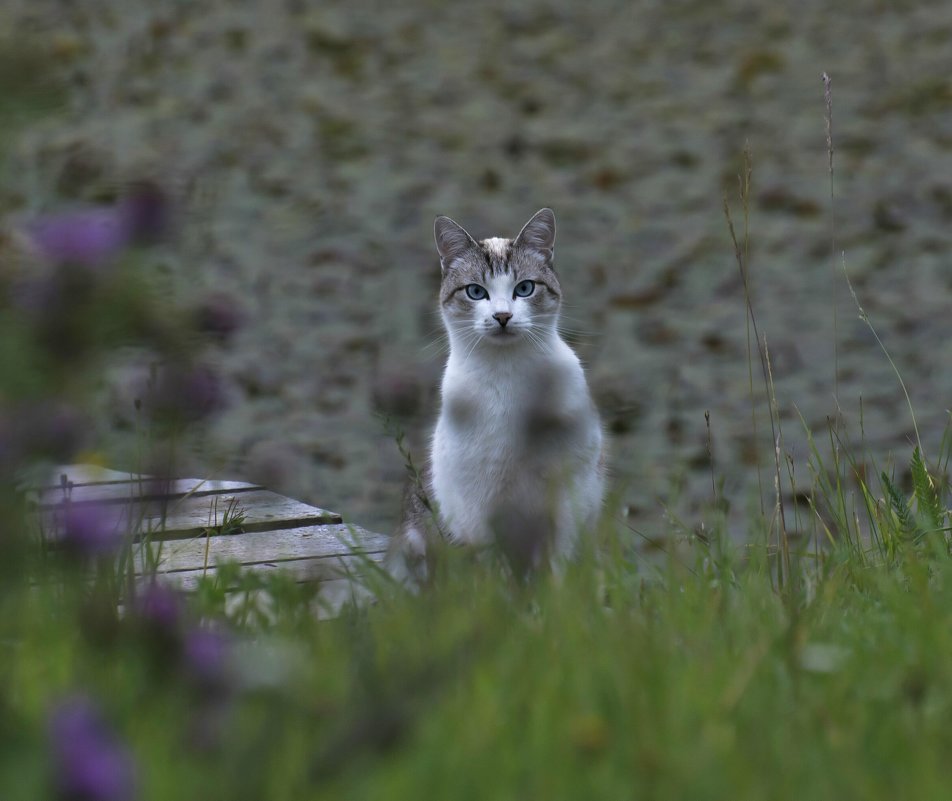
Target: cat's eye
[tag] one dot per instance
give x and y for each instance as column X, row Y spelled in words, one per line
column 476, row 292
column 524, row 289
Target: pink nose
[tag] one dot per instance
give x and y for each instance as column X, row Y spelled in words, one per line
column 502, row 318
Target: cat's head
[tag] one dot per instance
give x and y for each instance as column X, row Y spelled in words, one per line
column 499, row 291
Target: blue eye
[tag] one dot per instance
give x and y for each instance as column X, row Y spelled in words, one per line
column 524, row 289
column 476, row 292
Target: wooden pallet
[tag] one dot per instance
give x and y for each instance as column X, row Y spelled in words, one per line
column 179, row 523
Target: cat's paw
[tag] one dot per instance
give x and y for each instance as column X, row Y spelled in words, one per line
column 406, row 557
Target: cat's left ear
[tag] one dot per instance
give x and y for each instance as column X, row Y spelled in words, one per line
column 538, row 235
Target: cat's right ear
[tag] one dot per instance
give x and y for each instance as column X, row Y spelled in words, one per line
column 452, row 241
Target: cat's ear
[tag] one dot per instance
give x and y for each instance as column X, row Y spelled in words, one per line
column 452, row 241
column 538, row 235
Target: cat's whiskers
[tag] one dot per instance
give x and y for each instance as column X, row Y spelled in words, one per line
column 573, row 328
column 535, row 334
column 475, row 339
column 438, row 345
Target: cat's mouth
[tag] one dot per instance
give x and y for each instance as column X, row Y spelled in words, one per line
column 503, row 334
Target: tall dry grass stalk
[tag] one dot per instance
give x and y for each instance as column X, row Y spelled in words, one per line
column 742, row 256
column 828, row 98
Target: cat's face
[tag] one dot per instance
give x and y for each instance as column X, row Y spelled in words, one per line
column 499, row 291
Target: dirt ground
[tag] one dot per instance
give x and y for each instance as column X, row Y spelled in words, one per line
column 311, row 145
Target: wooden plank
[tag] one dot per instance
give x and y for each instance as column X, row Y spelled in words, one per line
column 332, row 594
column 90, row 474
column 265, row 547
column 335, row 569
column 277, row 533
column 341, row 579
column 146, row 489
column 190, row 516
column 263, row 510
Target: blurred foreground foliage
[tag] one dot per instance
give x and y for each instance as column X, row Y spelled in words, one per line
column 694, row 678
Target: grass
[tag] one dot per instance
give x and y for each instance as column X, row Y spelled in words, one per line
column 620, row 680
column 695, row 675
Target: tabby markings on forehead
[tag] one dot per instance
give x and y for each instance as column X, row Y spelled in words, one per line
column 498, row 253
column 496, row 247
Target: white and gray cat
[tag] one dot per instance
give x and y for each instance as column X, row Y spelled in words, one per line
column 517, row 454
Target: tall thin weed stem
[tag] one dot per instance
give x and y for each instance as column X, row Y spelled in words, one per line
column 865, row 318
column 742, row 255
column 783, row 540
column 828, row 98
column 743, row 260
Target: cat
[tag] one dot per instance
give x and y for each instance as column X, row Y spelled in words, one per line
column 517, row 455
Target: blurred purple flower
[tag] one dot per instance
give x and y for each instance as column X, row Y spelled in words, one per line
column 186, row 393
column 95, row 236
column 219, row 315
column 397, row 393
column 51, row 428
column 160, row 607
column 9, row 451
column 90, row 529
column 145, row 212
column 205, row 657
column 38, row 295
column 87, row 236
column 89, row 762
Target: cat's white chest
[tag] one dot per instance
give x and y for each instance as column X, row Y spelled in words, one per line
column 516, row 434
column 477, row 438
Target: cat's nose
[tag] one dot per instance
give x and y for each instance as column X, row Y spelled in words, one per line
column 502, row 317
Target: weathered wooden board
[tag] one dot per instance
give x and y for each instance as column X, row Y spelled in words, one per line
column 337, row 569
column 260, row 547
column 341, row 568
column 190, row 516
column 332, row 594
column 181, row 516
column 263, row 511
column 141, row 490
column 89, row 474
column 303, row 570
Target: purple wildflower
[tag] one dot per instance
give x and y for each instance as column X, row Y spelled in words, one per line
column 207, row 667
column 52, row 428
column 38, row 295
column 160, row 607
column 8, row 445
column 87, row 236
column 145, row 213
column 205, row 657
column 90, row 529
column 89, row 762
column 219, row 316
column 397, row 393
column 96, row 236
column 202, row 391
column 157, row 615
column 187, row 394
